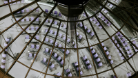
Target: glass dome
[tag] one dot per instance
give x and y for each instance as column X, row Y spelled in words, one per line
column 35, row 40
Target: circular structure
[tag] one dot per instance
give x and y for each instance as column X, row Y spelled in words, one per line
column 40, row 40
column 71, row 8
column 72, row 2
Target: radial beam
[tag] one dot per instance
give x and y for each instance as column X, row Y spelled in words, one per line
column 19, row 9
column 31, row 37
column 17, row 21
column 20, row 34
column 90, row 51
column 52, row 50
column 75, row 18
column 65, row 49
column 23, row 48
column 9, row 3
column 39, row 48
column 123, row 22
column 122, row 8
column 115, row 44
column 118, row 48
column 100, row 44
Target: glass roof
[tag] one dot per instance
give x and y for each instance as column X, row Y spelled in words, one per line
column 36, row 40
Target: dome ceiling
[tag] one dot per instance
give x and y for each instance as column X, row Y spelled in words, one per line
column 36, row 40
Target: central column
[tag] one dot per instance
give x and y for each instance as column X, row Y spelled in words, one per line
column 72, row 28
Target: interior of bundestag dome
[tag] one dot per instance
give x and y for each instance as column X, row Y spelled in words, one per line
column 68, row 38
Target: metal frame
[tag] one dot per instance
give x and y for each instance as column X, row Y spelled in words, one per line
column 54, row 18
